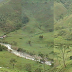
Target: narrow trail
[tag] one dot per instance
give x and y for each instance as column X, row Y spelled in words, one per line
column 24, row 55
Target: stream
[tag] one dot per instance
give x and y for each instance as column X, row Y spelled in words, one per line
column 24, row 55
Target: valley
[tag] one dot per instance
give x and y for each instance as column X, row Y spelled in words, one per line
column 37, row 28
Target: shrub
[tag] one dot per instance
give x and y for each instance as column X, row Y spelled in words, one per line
column 28, row 67
column 41, row 36
column 2, row 48
column 25, row 20
column 21, row 50
column 70, row 57
column 51, row 30
column 40, row 54
column 29, row 42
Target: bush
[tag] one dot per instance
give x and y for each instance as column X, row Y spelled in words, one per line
column 41, row 36
column 52, row 64
column 29, row 42
column 51, row 30
column 21, row 50
column 69, row 36
column 28, row 67
column 2, row 48
column 70, row 57
column 25, row 20
column 40, row 54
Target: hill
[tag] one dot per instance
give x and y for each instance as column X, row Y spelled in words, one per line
column 34, row 27
column 59, row 10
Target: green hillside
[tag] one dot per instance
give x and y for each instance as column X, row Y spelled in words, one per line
column 63, row 37
column 40, row 27
column 59, row 10
column 29, row 29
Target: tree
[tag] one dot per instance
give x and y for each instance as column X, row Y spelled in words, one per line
column 0, row 48
column 13, row 61
column 29, row 42
column 63, row 48
column 20, row 50
column 41, row 36
column 40, row 54
column 3, row 48
column 28, row 67
column 25, row 20
column 70, row 57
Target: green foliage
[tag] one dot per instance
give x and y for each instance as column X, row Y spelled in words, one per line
column 38, row 70
column 69, row 37
column 41, row 54
column 13, row 61
column 41, row 36
column 2, row 48
column 29, row 42
column 70, row 57
column 25, row 20
column 28, row 67
column 64, row 49
column 10, row 18
column 62, row 32
column 21, row 50
column 37, row 21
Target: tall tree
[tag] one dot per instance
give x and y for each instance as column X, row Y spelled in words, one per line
column 13, row 61
column 64, row 49
column 28, row 67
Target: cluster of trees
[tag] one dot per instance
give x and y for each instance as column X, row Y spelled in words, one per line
column 10, row 17
column 2, row 48
column 7, row 24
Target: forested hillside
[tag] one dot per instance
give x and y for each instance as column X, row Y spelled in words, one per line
column 16, row 14
column 10, row 16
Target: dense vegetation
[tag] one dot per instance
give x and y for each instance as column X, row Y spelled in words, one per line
column 10, row 16
column 2, row 48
